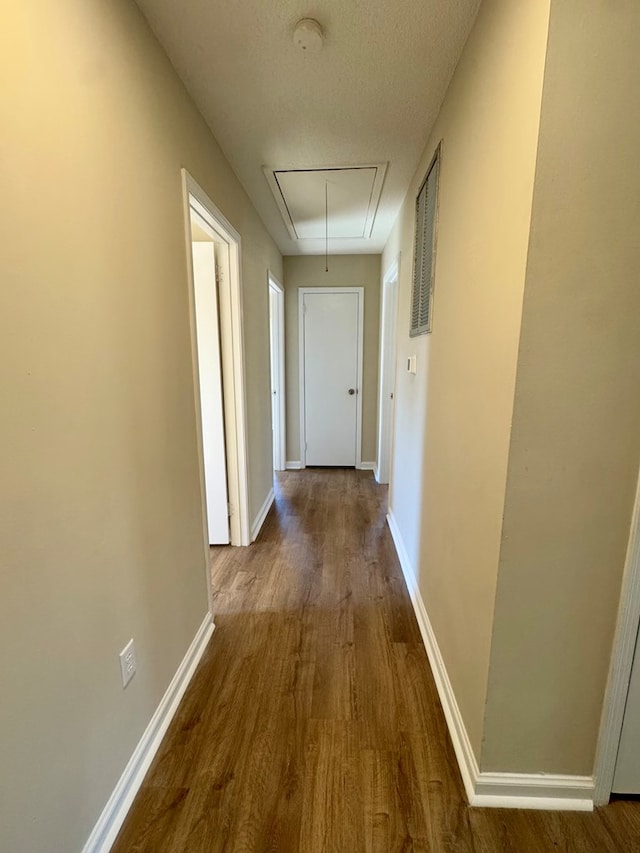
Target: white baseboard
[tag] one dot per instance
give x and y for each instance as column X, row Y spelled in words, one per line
column 499, row 790
column 262, row 514
column 367, row 466
column 110, row 821
column 461, row 744
column 377, row 475
column 293, row 466
column 534, row 791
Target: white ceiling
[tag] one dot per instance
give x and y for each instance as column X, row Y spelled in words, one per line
column 369, row 97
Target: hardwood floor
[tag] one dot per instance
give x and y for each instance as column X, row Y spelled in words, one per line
column 313, row 722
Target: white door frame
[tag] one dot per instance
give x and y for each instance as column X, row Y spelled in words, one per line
column 233, row 372
column 624, row 645
column 301, row 349
column 387, row 370
column 277, row 371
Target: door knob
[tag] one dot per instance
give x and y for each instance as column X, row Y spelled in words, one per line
column 352, row 391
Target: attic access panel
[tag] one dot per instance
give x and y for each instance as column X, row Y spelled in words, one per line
column 353, row 193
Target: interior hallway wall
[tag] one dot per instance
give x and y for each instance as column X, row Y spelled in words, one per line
column 453, row 418
column 575, row 444
column 101, row 517
column 344, row 271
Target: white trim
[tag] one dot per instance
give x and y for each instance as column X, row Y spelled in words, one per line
column 367, row 466
column 461, row 744
column 360, row 388
column 301, row 358
column 483, row 789
column 624, row 645
column 293, row 465
column 387, row 369
column 280, row 429
column 262, row 514
column 533, row 791
column 106, row 829
column 301, row 396
column 232, row 346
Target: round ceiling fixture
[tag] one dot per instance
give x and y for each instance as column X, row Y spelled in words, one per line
column 308, row 36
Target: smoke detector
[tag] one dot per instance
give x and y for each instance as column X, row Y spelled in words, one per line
column 308, row 36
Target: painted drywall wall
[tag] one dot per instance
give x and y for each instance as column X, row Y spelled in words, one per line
column 344, row 271
column 453, row 418
column 101, row 517
column 575, row 446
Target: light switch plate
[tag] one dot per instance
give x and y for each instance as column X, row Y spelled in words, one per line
column 128, row 663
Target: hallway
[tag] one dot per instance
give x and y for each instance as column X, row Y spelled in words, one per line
column 313, row 723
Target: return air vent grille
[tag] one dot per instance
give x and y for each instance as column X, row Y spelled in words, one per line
column 424, row 251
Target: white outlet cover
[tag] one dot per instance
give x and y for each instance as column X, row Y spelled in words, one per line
column 128, row 663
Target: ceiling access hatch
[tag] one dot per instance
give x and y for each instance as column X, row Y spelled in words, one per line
column 342, row 200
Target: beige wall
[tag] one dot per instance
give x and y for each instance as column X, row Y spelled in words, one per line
column 575, row 445
column 101, row 518
column 453, row 418
column 344, row 271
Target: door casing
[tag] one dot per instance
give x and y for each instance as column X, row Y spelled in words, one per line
column 387, row 371
column 233, row 368
column 277, row 341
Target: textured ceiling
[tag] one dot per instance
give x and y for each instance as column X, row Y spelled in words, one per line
column 370, row 96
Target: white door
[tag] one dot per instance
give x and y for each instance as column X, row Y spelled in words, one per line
column 331, row 369
column 211, row 404
column 626, row 779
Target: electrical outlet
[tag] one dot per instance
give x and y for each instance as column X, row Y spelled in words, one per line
column 128, row 663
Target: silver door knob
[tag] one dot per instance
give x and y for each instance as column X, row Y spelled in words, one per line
column 352, row 391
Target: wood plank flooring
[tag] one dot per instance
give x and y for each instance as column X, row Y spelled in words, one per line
column 313, row 723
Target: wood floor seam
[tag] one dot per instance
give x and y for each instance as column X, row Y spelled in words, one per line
column 313, row 723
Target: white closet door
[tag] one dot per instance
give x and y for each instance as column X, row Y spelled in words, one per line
column 331, row 352
column 626, row 779
column 208, row 337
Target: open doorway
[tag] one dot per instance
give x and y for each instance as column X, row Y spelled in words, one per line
column 276, row 343
column 386, row 395
column 207, row 258
column 213, row 254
